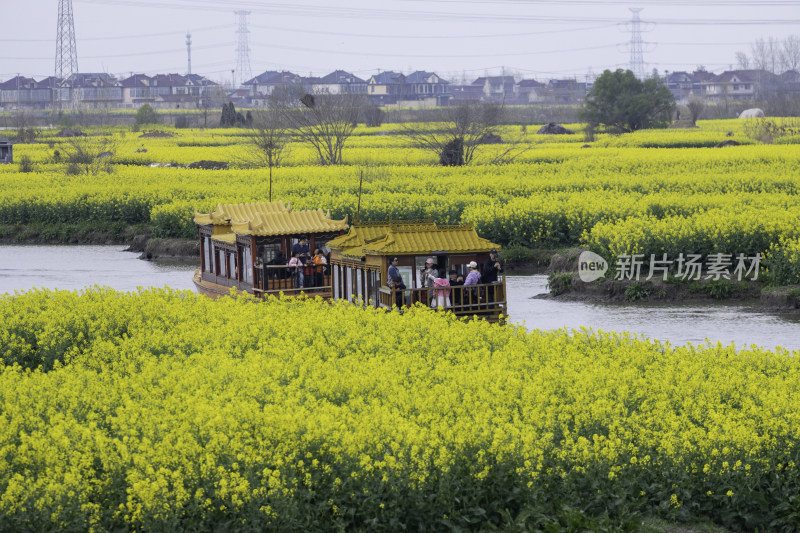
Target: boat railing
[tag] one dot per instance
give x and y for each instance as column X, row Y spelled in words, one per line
column 314, row 280
column 487, row 300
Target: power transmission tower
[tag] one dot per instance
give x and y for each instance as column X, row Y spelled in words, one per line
column 189, row 52
column 66, row 51
column 637, row 57
column 242, row 49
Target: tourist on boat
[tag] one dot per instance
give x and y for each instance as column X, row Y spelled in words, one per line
column 428, row 274
column 297, row 264
column 473, row 278
column 319, row 262
column 456, row 280
column 491, row 269
column 441, row 297
column 396, row 281
column 301, row 247
column 278, row 260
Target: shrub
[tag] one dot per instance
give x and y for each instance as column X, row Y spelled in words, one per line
column 146, row 115
column 26, row 164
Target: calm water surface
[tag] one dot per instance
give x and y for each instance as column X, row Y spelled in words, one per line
column 23, row 268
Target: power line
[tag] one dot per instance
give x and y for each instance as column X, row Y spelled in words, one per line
column 417, row 36
column 335, row 11
column 438, row 56
column 117, row 37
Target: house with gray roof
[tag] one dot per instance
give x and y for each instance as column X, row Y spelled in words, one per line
column 338, row 82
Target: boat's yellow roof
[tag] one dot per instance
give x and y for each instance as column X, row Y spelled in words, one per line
column 409, row 238
column 422, row 240
column 273, row 218
column 225, row 213
column 362, row 233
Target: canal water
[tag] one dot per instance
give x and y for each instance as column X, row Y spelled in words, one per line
column 77, row 267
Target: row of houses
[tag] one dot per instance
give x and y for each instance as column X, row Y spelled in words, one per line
column 421, row 88
column 418, row 89
column 733, row 85
column 100, row 90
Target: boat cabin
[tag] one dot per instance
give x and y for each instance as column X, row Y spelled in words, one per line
column 248, row 246
column 6, row 151
column 360, row 262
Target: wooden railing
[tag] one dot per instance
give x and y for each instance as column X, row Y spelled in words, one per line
column 314, row 280
column 486, row 300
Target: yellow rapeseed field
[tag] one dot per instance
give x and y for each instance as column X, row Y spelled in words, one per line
column 169, row 411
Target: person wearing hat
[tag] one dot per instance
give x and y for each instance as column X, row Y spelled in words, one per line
column 428, row 275
column 473, row 278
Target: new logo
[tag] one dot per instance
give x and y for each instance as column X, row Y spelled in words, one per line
column 591, row 266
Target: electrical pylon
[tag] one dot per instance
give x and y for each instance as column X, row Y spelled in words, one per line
column 66, row 51
column 242, row 49
column 637, row 57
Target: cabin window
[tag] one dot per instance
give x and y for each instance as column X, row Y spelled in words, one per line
column 247, row 262
column 223, row 270
column 359, row 285
column 373, row 282
column 208, row 254
column 335, row 281
column 269, row 251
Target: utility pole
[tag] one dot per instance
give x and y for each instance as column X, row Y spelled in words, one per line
column 242, row 48
column 66, row 50
column 189, row 52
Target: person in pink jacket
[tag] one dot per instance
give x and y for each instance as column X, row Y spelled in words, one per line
column 297, row 264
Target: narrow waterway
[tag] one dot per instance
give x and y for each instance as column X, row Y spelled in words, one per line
column 23, row 268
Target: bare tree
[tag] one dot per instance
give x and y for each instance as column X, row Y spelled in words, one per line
column 790, row 53
column 267, row 142
column 88, row 155
column 696, row 108
column 323, row 120
column 742, row 60
column 765, row 54
column 465, row 128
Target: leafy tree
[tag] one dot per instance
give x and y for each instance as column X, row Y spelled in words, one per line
column 624, row 103
column 146, row 115
column 230, row 117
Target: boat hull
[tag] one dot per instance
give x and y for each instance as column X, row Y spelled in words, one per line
column 212, row 290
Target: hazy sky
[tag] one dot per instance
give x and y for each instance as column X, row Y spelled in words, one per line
column 539, row 39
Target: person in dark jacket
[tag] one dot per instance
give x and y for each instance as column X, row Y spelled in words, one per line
column 455, row 281
column 301, row 247
column 278, row 260
column 491, row 268
column 396, row 282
